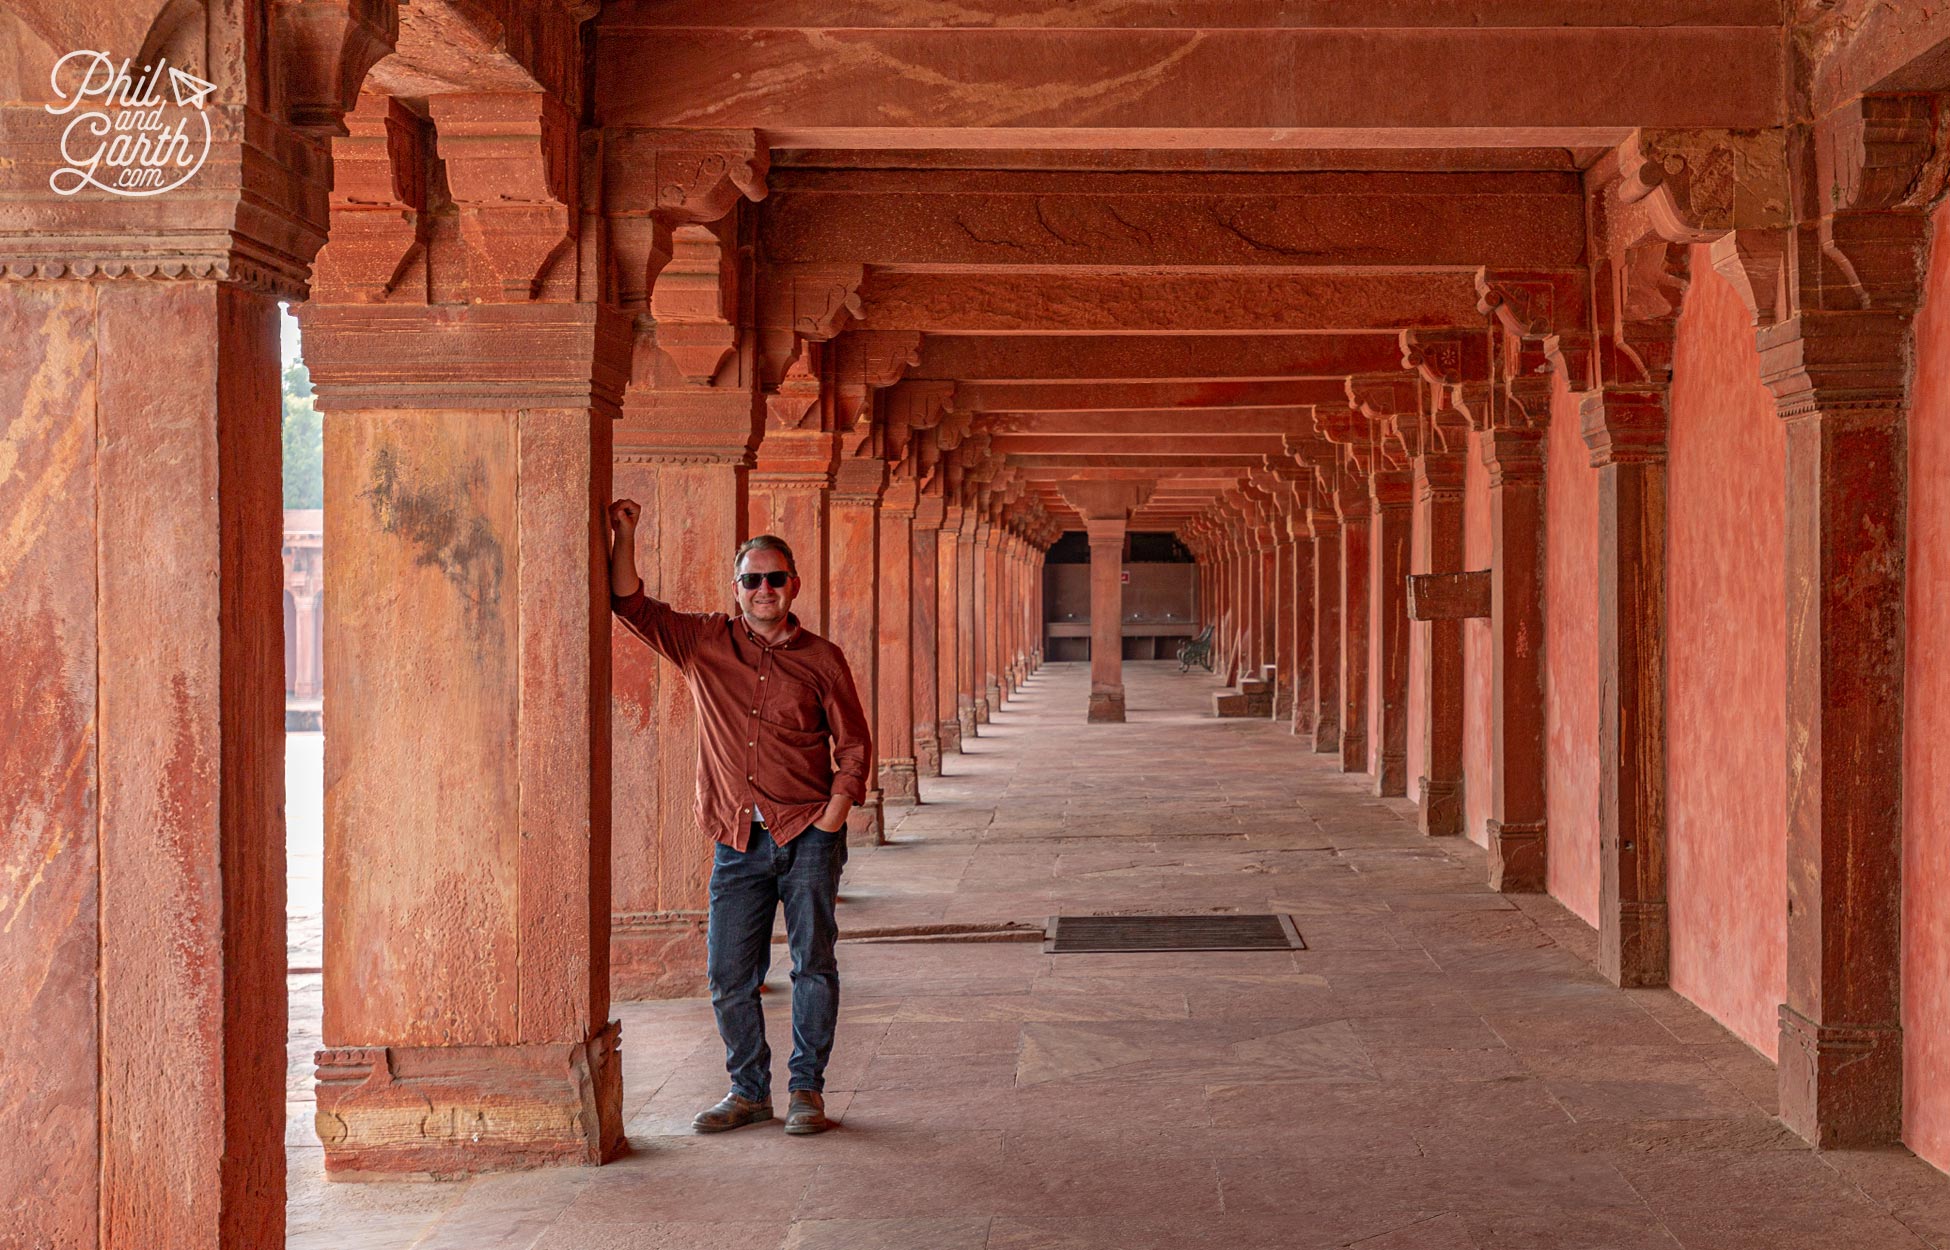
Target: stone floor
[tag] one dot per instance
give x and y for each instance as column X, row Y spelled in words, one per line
column 1441, row 1068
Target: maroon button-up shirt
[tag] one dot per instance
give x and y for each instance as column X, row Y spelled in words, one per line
column 779, row 726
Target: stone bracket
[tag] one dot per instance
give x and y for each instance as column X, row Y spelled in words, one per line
column 1449, row 596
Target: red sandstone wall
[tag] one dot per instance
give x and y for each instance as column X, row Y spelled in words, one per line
column 1571, row 660
column 1726, row 676
column 1478, row 653
column 1926, row 746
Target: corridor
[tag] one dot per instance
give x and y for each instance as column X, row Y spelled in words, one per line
column 1440, row 1069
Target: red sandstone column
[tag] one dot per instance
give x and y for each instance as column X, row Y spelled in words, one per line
column 926, row 641
column 1301, row 622
column 1393, row 493
column 1266, row 584
column 1284, row 602
column 468, row 785
column 895, row 688
column 948, row 625
column 978, row 639
column 694, row 517
column 853, row 522
column 968, row 616
column 994, row 642
column 1626, row 432
column 1516, row 824
column 1352, row 503
column 788, row 491
column 1439, row 548
column 1324, row 523
column 1106, row 507
column 142, row 954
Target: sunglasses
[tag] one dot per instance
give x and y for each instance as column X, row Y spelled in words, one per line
column 776, row 579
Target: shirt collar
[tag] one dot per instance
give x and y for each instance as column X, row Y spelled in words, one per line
column 791, row 619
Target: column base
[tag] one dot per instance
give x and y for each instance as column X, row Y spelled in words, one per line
column 1392, row 781
column 995, row 698
column 1354, row 752
column 1282, row 703
column 1441, row 808
column 451, row 1111
column 950, row 738
column 1516, row 856
column 1841, row 1085
column 982, row 710
column 927, row 752
column 900, row 782
column 1327, row 737
column 866, row 824
column 1106, row 707
column 656, row 954
column 965, row 718
column 1303, row 720
column 1634, row 949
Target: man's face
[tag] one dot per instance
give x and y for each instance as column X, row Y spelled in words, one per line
column 767, row 603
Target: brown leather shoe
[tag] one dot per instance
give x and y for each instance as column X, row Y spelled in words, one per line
column 733, row 1112
column 806, row 1113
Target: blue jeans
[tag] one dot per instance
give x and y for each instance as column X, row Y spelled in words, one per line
column 746, row 891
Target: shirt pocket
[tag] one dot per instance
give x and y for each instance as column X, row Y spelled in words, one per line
column 796, row 706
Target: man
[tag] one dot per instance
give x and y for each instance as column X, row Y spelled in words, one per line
column 783, row 752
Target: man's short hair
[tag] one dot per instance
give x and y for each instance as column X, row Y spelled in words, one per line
column 765, row 542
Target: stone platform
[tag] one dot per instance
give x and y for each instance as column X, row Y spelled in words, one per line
column 1441, row 1069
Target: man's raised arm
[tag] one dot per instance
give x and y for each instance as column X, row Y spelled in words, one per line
column 623, row 581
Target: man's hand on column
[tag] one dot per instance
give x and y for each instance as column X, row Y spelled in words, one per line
column 623, row 580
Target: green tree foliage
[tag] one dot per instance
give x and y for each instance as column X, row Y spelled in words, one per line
column 304, row 442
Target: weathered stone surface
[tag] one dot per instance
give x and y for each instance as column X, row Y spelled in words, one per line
column 1449, row 596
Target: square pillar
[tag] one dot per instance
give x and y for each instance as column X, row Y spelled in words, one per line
column 1284, row 635
column 694, row 516
column 1106, row 620
column 978, row 639
column 1515, row 457
column 1106, row 507
column 142, row 955
column 968, row 619
column 1356, row 615
column 926, row 635
column 788, row 490
column 854, row 529
column 1325, row 526
column 1393, row 495
column 1841, row 1048
column 1439, row 548
column 467, row 818
column 947, row 622
column 1301, row 620
column 894, row 687
column 1626, row 432
column 994, row 613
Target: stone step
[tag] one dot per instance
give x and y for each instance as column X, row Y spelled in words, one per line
column 1242, row 704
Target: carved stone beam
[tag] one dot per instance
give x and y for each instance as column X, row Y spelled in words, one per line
column 1541, row 324
column 1729, row 188
column 657, row 180
column 322, row 50
column 799, row 304
column 1448, row 361
column 379, row 209
column 511, row 162
column 864, row 362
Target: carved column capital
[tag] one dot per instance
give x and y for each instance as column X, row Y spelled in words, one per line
column 1699, row 184
column 1624, row 426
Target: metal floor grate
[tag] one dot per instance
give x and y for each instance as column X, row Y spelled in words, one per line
column 1069, row 935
